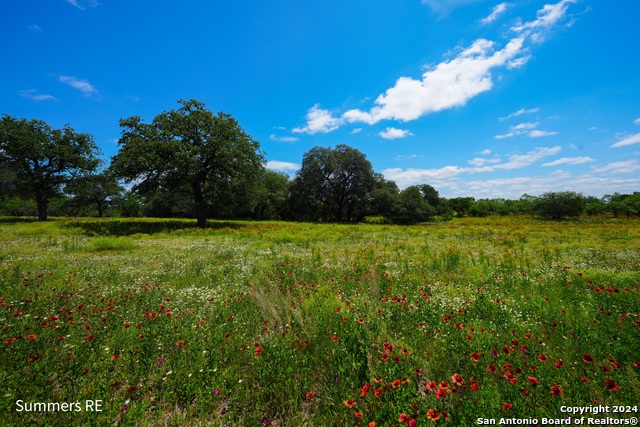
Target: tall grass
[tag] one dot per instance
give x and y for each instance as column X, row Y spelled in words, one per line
column 249, row 323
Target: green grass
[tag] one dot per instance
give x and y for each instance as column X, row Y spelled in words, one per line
column 271, row 323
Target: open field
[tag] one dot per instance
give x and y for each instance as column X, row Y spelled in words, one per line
column 286, row 324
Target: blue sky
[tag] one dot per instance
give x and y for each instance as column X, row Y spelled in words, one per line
column 475, row 97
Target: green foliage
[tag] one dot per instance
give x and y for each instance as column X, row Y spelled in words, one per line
column 40, row 159
column 557, row 205
column 212, row 160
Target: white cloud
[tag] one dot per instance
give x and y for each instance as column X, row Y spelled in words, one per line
column 33, row 95
column 402, row 157
column 273, row 137
column 630, row 140
column 407, row 177
column 522, row 126
column 627, row 166
column 443, row 7
column 282, row 166
column 541, row 133
column 82, row 85
column 569, row 161
column 356, row 131
column 485, row 152
column 34, row 28
column 517, row 161
column 637, row 121
column 520, row 112
column 548, row 16
column 480, row 161
column 83, row 4
column 393, row 133
column 319, row 120
column 450, row 84
column 497, row 11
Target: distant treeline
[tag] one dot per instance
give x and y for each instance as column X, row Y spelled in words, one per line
column 192, row 163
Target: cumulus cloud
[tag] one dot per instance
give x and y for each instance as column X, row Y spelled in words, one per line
column 277, row 165
column 569, row 161
column 497, row 11
column 630, row 140
column 449, row 84
column 82, row 85
column 33, row 95
column 319, row 120
column 393, row 133
column 481, row 161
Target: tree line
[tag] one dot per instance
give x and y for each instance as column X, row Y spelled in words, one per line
column 190, row 162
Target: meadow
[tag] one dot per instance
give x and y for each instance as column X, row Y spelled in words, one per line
column 295, row 324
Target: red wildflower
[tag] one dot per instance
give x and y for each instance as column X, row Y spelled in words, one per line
column 349, row 403
column 334, row 338
column 258, row 351
column 491, row 368
column 32, row 336
column 358, row 414
column 431, row 386
column 559, row 363
column 457, row 379
column 116, row 356
column 443, row 385
column 587, row 358
column 475, row 357
column 533, row 381
column 475, row 387
column 542, row 358
column 116, row 384
column 395, row 383
column 412, row 423
column 441, row 393
column 83, row 373
column 379, row 392
column 132, row 388
column 433, row 415
column 507, row 406
column 404, row 418
column 180, row 343
column 406, row 352
column 384, row 357
column 309, row 395
column 372, row 424
column 556, row 390
column 365, row 390
column 611, row 385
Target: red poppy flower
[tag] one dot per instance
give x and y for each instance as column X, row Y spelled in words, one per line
column 309, row 395
column 491, row 368
column 441, row 393
column 431, row 386
column 334, row 338
column 116, row 356
column 404, row 418
column 258, row 351
column 475, row 357
column 349, row 403
column 32, row 336
column 542, row 358
column 412, row 423
column 533, row 381
column 507, row 406
column 475, row 387
column 379, row 392
column 372, row 424
column 443, row 385
column 180, row 343
column 559, row 363
column 395, row 383
column 359, row 415
column 611, row 385
column 384, row 357
column 587, row 358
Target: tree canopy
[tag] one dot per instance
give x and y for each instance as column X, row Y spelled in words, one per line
column 189, row 150
column 40, row 159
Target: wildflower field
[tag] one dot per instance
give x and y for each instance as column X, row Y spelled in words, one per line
column 289, row 324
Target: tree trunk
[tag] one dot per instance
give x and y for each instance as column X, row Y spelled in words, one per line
column 201, row 209
column 42, row 202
